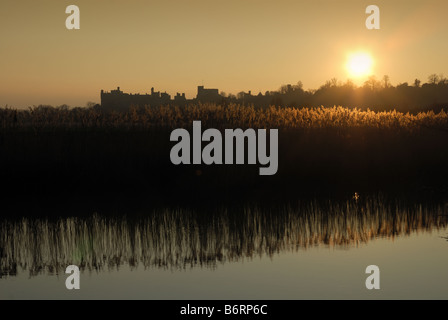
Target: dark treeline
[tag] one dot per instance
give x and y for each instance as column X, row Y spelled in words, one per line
column 377, row 95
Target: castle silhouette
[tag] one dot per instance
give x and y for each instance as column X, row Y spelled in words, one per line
column 118, row 100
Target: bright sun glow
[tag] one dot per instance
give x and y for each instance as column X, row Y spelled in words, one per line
column 359, row 64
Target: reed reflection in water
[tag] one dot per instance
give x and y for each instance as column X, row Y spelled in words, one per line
column 184, row 238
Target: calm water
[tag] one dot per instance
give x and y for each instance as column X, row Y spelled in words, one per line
column 312, row 250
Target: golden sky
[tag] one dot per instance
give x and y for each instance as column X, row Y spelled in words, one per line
column 232, row 45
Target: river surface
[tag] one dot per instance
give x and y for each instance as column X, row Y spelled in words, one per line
column 309, row 250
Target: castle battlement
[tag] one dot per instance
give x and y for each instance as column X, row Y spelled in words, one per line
column 120, row 101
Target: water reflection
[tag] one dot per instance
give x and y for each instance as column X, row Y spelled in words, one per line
column 184, row 238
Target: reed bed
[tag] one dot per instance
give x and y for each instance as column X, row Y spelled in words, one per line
column 58, row 150
column 217, row 116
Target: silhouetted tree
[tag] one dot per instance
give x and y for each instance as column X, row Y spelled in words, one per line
column 299, row 86
column 372, row 83
column 349, row 84
column 386, row 81
column 334, row 82
column 417, row 83
column 433, row 79
column 240, row 95
column 442, row 80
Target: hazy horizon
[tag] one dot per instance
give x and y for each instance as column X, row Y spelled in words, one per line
column 230, row 45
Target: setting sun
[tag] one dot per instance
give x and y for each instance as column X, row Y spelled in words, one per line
column 359, row 64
